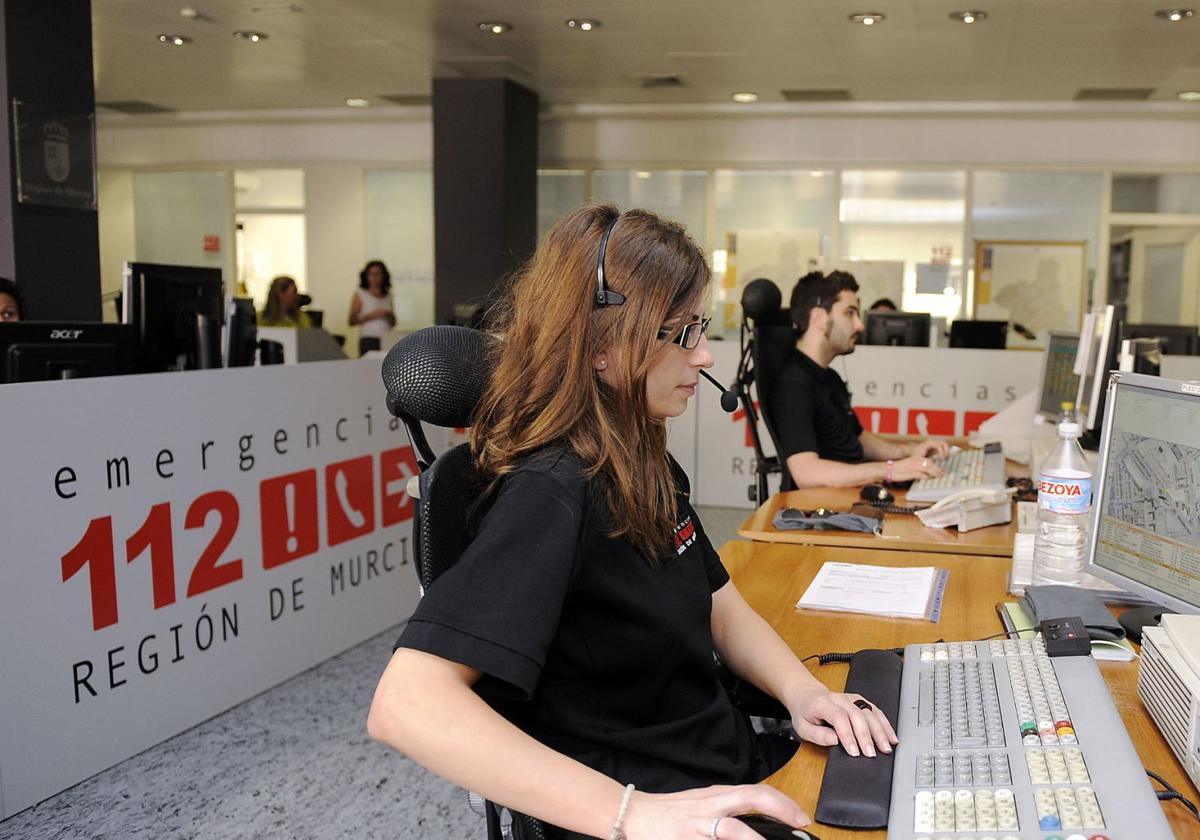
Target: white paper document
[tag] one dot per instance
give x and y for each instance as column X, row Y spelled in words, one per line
column 879, row 590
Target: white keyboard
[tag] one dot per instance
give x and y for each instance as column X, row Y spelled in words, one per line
column 967, row 469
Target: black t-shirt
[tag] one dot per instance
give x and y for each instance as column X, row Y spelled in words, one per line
column 584, row 644
column 812, row 412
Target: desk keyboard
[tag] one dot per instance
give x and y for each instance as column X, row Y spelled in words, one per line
column 967, row 469
column 1000, row 742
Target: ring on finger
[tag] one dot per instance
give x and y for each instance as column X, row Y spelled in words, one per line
column 924, row 462
column 863, row 704
column 712, row 832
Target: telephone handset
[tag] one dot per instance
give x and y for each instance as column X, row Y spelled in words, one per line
column 970, row 509
column 986, row 495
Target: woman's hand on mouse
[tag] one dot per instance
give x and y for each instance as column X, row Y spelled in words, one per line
column 689, row 814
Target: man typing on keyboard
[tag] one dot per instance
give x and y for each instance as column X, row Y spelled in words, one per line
column 820, row 438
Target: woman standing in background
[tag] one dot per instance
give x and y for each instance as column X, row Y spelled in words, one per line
column 371, row 306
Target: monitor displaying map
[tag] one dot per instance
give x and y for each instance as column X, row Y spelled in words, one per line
column 1146, row 522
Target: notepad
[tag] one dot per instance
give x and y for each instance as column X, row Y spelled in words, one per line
column 878, row 590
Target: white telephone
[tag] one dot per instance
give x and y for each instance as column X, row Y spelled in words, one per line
column 970, row 509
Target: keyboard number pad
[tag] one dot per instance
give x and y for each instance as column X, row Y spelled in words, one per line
column 1067, row 809
column 1041, row 710
column 1056, row 766
column 980, row 768
column 983, row 809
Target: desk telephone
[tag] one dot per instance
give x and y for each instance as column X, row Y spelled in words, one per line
column 970, row 509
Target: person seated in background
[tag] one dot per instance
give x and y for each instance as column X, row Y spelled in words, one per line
column 566, row 658
column 11, row 308
column 883, row 305
column 820, row 438
column 371, row 307
column 283, row 305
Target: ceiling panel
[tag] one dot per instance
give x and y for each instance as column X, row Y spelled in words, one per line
column 332, row 49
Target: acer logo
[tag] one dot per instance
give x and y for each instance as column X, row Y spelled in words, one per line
column 1054, row 489
column 67, row 334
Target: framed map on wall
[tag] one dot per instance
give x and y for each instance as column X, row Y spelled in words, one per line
column 1039, row 285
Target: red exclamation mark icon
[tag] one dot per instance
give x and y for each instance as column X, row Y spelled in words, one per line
column 289, row 519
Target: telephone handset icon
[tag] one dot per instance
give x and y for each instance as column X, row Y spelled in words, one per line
column 341, row 487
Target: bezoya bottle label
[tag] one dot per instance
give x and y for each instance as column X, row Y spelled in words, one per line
column 1063, row 494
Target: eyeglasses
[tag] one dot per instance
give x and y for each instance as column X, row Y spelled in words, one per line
column 604, row 295
column 689, row 337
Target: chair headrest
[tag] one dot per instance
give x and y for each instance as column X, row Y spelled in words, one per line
column 437, row 375
column 761, row 299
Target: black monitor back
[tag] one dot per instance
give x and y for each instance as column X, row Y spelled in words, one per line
column 241, row 333
column 898, row 329
column 177, row 312
column 38, row 351
column 1177, row 339
column 979, row 335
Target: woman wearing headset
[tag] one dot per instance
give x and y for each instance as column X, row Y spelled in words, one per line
column 563, row 667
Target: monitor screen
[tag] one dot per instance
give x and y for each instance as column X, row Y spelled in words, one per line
column 177, row 312
column 899, row 329
column 1100, row 329
column 1177, row 339
column 981, row 335
column 37, row 351
column 1145, row 534
column 1060, row 382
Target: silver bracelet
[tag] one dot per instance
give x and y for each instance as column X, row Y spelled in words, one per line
column 617, row 832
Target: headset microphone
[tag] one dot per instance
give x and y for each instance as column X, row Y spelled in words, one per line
column 729, row 399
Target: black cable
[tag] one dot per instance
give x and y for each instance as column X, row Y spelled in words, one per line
column 1172, row 793
column 826, row 658
column 1008, row 633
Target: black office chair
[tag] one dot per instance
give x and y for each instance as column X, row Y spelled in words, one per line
column 437, row 376
column 766, row 338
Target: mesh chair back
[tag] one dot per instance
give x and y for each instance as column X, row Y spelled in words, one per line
column 772, row 344
column 437, row 375
column 448, row 490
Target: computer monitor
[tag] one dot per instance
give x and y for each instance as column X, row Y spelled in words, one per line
column 1145, row 535
column 241, row 333
column 981, row 335
column 898, row 329
column 1177, row 339
column 1099, row 337
column 37, row 351
column 177, row 312
column 1060, row 382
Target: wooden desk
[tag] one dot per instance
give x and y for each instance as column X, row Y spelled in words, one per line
column 772, row 577
column 901, row 532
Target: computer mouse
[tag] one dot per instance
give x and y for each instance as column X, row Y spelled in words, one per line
column 773, row 829
column 877, row 493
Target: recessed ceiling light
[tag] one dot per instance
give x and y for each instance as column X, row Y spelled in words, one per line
column 174, row 40
column 358, row 102
column 969, row 17
column 250, row 35
column 496, row 27
column 1189, row 95
column 1174, row 15
column 745, row 96
column 584, row 24
column 643, row 175
column 867, row 18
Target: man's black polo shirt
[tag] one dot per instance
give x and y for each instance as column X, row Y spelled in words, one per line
column 812, row 413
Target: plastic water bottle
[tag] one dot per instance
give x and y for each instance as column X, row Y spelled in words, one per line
column 1064, row 499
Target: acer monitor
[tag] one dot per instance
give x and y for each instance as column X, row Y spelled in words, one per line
column 37, row 351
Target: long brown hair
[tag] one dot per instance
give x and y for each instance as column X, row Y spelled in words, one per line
column 544, row 389
column 273, row 311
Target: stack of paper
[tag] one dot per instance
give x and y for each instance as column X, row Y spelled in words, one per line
column 878, row 590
